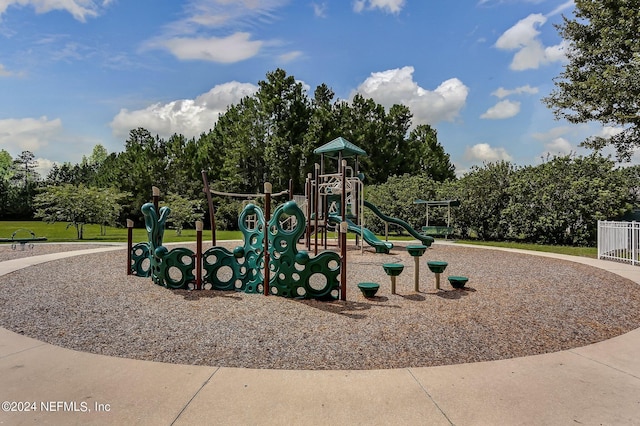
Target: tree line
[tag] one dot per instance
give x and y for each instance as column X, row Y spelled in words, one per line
column 268, row 136
column 556, row 202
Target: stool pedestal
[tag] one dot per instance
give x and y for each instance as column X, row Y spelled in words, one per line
column 416, row 251
column 393, row 270
column 437, row 267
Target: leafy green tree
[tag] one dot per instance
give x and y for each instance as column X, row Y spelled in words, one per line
column 98, row 155
column 561, row 200
column 110, row 171
column 483, row 194
column 24, row 175
column 396, row 198
column 631, row 175
column 78, row 205
column 601, row 81
column 74, row 174
column 239, row 135
column 322, row 126
column 24, row 168
column 139, row 167
column 363, row 123
column 5, row 179
column 5, row 165
column 427, row 155
column 182, row 169
column 285, row 110
column 183, row 211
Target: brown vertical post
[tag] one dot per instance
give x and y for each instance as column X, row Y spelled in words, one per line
column 212, row 216
column 129, row 244
column 343, row 233
column 343, row 258
column 325, row 234
column 315, row 198
column 343, row 197
column 155, row 191
column 199, row 227
column 267, row 217
column 290, row 189
column 307, row 190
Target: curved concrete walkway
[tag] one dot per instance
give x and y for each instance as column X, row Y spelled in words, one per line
column 593, row 385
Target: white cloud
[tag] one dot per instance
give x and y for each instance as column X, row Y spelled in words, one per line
column 609, row 131
column 501, row 110
column 193, row 38
column 391, row 6
column 530, row 52
column 501, row 92
column 79, row 9
column 290, row 56
column 28, row 134
column 4, row 72
column 558, row 146
column 44, row 166
column 221, row 13
column 189, row 117
column 553, row 133
column 484, row 152
column 320, row 9
column 234, row 48
column 564, row 140
column 396, row 86
column 522, row 33
column 561, row 8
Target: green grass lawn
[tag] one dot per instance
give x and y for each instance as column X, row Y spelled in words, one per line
column 59, row 232
column 572, row 251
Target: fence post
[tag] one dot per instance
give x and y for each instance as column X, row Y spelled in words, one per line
column 619, row 241
column 635, row 244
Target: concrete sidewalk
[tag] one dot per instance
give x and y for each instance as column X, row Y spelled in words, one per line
column 594, row 385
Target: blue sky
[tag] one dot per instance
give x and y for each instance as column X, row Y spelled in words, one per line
column 76, row 73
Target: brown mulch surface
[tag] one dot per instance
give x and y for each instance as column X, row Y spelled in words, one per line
column 514, row 305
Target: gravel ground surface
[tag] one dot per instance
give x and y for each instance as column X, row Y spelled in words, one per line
column 514, row 305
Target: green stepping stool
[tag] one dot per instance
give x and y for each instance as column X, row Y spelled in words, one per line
column 457, row 281
column 437, row 267
column 369, row 289
column 393, row 270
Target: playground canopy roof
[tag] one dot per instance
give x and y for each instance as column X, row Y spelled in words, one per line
column 340, row 145
column 444, row 203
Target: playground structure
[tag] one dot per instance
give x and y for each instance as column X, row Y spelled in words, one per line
column 267, row 262
column 323, row 199
column 327, row 193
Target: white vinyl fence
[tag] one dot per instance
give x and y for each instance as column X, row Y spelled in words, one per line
column 619, row 241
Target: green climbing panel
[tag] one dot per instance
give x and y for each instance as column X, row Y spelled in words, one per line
column 173, row 269
column 292, row 273
column 240, row 270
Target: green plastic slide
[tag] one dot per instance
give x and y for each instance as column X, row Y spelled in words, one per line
column 369, row 237
column 425, row 239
